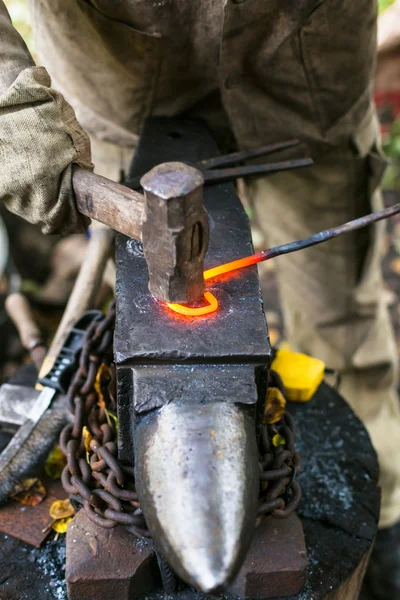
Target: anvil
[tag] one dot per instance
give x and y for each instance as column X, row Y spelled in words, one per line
column 190, row 390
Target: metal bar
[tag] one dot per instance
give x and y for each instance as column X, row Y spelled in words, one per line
column 235, row 157
column 317, row 238
column 220, row 175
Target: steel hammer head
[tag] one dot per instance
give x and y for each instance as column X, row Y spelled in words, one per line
column 175, row 231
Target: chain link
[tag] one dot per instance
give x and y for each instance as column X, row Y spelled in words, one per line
column 105, row 488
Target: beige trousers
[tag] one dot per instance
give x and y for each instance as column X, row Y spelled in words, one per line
column 331, row 294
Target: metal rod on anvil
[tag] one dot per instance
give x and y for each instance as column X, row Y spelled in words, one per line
column 231, row 173
column 235, row 157
column 253, row 259
column 313, row 240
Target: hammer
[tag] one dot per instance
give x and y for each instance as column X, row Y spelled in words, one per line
column 169, row 219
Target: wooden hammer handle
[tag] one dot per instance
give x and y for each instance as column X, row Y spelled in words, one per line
column 108, row 202
column 85, row 289
column 19, row 311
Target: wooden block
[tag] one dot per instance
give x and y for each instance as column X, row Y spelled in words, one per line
column 107, row 563
column 276, row 564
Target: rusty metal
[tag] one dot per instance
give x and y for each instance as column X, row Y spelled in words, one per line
column 230, row 174
column 280, row 494
column 212, row 174
column 31, row 524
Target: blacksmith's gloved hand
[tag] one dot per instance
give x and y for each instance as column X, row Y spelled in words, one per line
column 40, row 139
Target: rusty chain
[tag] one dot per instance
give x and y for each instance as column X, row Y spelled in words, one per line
column 95, row 478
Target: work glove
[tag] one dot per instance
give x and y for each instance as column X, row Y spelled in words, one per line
column 40, row 140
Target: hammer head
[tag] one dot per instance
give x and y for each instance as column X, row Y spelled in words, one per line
column 175, row 232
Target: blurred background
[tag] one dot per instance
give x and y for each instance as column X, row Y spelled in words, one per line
column 44, row 267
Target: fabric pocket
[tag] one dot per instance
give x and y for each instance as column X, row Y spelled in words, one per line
column 366, row 141
column 124, row 14
column 338, row 53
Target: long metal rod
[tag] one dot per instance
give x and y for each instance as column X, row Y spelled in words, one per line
column 231, row 173
column 317, row 238
column 227, row 160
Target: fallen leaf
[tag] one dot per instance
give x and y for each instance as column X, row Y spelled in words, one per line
column 274, row 335
column 33, row 492
column 55, row 463
column 103, row 377
column 61, row 525
column 61, row 509
column 87, row 437
column 395, row 265
column 275, row 406
column 115, row 419
column 278, row 440
column 24, row 485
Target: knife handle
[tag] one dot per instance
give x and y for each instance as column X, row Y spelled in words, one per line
column 67, row 361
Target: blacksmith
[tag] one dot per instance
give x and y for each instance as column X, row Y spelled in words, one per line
column 259, row 72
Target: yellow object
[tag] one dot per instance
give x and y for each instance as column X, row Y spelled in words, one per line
column 275, row 405
column 61, row 525
column 301, row 374
column 55, row 463
column 278, row 440
column 61, row 509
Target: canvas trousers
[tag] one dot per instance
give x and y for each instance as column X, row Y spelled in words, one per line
column 332, row 294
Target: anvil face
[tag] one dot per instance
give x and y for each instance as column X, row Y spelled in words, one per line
column 189, row 387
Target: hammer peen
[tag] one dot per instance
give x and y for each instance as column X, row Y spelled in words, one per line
column 169, row 219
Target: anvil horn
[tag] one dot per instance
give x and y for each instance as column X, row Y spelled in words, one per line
column 197, row 480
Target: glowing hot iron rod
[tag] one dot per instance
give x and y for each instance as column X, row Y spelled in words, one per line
column 317, row 238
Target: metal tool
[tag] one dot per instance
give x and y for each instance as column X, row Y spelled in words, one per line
column 43, row 435
column 175, row 232
column 212, row 173
column 57, row 380
column 128, row 212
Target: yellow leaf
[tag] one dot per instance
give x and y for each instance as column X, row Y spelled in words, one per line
column 61, row 509
column 87, row 436
column 395, row 265
column 274, row 335
column 103, row 377
column 114, row 418
column 61, row 525
column 275, row 405
column 278, row 440
column 55, row 463
column 33, row 492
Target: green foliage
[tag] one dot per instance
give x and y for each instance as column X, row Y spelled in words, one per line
column 384, row 4
column 19, row 13
column 391, row 146
column 391, row 143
